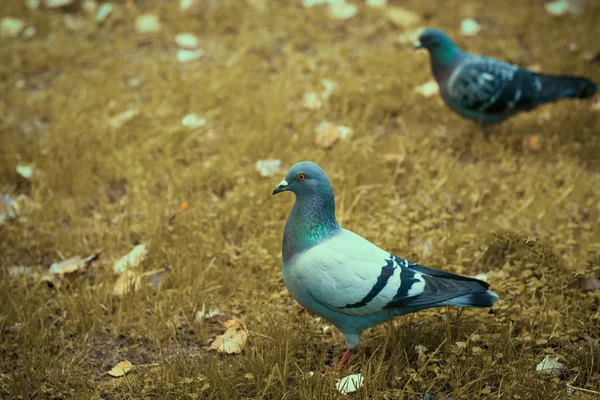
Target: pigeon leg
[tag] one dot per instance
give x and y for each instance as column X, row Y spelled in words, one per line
column 344, row 360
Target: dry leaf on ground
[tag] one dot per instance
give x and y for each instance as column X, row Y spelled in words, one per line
column 202, row 314
column 428, row 89
column 533, row 142
column 26, row 171
column 131, row 259
column 71, row 265
column 342, row 10
column 268, row 168
column 120, row 119
column 127, row 282
column 350, row 383
column 147, row 23
column 120, row 369
column 233, row 340
column 469, row 27
column 550, row 365
column 327, row 134
column 187, row 41
column 421, row 351
column 401, row 17
column 9, row 209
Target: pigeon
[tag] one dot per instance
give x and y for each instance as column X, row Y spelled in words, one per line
column 488, row 90
column 348, row 280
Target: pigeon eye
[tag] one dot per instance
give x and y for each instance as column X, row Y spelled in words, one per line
column 426, row 39
column 301, row 177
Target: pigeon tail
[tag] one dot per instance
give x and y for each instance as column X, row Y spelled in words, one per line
column 485, row 299
column 561, row 87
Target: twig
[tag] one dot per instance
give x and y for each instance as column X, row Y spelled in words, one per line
column 260, row 334
column 582, row 389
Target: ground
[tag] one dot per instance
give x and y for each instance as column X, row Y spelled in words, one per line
column 414, row 178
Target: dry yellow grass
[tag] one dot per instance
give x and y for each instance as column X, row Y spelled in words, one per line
column 529, row 219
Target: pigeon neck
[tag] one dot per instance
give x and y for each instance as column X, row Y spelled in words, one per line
column 311, row 221
column 444, row 58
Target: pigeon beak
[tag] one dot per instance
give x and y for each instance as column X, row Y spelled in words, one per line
column 417, row 45
column 283, row 186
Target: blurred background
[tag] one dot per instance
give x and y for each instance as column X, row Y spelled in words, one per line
column 140, row 142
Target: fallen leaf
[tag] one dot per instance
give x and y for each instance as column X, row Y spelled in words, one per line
column 428, row 89
column 310, row 3
column 421, row 351
column 127, row 282
column 184, row 206
column 327, row 134
column 401, row 17
column 589, row 284
column 121, row 369
column 342, row 10
column 533, row 142
column 131, row 259
column 550, row 365
column 26, row 171
column 377, row 3
column 9, row 208
column 312, row 101
column 185, row 5
column 185, row 55
column 562, row 7
column 57, row 3
column 103, row 12
column 233, row 340
column 89, row 6
column 193, row 121
column 187, row 41
column 268, row 168
column 71, row 265
column 328, row 87
column 11, row 27
column 469, row 27
column 202, row 314
column 120, row 119
column 350, row 383
column 147, row 23
column 32, row 4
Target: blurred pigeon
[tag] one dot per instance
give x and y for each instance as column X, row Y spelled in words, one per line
column 489, row 90
column 348, row 280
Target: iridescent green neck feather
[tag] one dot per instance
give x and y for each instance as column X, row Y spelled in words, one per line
column 444, row 56
column 311, row 221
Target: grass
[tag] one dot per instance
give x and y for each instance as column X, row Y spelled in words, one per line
column 529, row 219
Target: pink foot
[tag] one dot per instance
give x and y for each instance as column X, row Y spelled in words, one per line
column 344, row 360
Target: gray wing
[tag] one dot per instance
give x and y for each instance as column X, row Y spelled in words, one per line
column 483, row 84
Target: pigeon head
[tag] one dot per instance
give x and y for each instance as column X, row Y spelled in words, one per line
column 442, row 49
column 312, row 219
column 303, row 179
